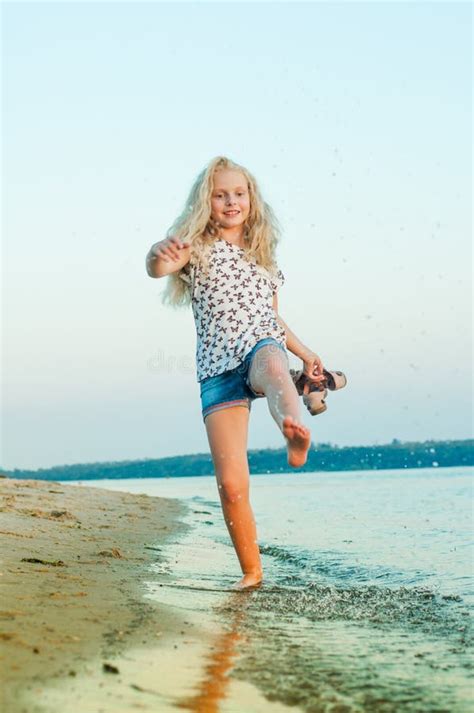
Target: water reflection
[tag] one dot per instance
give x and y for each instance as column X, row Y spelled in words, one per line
column 215, row 683
column 324, row 632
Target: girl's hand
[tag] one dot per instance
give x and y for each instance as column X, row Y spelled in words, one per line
column 168, row 249
column 313, row 367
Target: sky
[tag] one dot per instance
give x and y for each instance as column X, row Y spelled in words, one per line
column 355, row 120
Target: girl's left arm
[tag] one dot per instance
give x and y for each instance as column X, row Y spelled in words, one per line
column 313, row 367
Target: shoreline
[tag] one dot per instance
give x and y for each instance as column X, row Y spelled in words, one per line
column 128, row 607
column 80, row 631
column 83, row 600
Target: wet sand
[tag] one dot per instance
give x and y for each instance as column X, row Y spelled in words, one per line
column 328, row 631
column 79, row 630
column 113, row 602
column 71, row 579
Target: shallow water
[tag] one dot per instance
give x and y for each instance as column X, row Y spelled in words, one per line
column 367, row 599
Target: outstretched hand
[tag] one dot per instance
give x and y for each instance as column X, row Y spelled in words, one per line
column 313, row 367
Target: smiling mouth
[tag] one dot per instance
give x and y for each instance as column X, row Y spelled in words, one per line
column 232, row 212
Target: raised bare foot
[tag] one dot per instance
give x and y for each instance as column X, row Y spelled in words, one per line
column 249, row 581
column 299, row 441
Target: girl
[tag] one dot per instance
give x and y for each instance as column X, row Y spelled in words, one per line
column 220, row 256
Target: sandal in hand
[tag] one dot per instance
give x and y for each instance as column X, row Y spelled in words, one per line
column 314, row 393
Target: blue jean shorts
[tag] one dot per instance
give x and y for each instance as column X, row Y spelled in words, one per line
column 232, row 387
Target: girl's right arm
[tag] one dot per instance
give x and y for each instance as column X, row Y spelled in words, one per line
column 167, row 256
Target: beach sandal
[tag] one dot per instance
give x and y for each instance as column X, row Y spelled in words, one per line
column 314, row 400
column 314, row 393
column 334, row 380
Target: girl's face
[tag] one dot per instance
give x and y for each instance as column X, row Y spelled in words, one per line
column 230, row 200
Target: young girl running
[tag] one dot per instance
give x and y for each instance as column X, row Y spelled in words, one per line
column 220, row 256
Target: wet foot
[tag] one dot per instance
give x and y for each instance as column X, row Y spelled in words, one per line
column 299, row 441
column 249, row 581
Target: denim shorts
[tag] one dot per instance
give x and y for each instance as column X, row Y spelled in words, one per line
column 232, row 387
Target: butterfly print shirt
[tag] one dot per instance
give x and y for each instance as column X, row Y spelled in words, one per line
column 233, row 307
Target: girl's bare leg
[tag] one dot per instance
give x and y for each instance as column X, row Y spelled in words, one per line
column 227, row 432
column 269, row 374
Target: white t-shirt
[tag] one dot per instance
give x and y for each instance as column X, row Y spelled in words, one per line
column 232, row 306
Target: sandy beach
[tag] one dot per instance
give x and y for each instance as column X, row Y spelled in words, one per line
column 73, row 560
column 78, row 632
column 115, row 601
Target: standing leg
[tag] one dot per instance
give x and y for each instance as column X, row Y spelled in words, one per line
column 269, row 374
column 227, row 432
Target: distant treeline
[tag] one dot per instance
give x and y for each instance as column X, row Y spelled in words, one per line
column 321, row 457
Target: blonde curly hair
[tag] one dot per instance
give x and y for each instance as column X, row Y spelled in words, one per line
column 196, row 226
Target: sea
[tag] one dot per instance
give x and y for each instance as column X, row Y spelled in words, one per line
column 367, row 600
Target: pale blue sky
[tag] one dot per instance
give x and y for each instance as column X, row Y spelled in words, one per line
column 355, row 120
